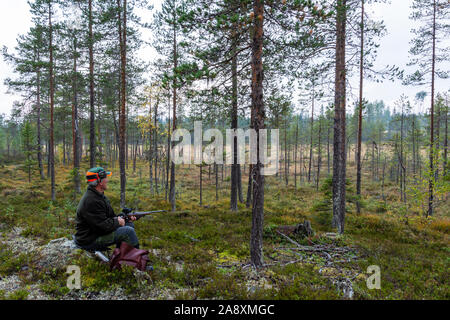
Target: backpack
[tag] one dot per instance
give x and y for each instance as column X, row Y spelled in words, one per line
column 128, row 255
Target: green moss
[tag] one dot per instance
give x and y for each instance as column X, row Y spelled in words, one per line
column 11, row 262
column 224, row 286
column 20, row 294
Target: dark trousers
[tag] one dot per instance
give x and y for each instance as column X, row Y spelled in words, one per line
column 125, row 233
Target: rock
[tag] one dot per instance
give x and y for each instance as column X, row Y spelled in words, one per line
column 10, row 284
column 13, row 283
column 64, row 242
column 57, row 253
column 251, row 289
column 59, row 240
column 113, row 294
column 264, row 284
column 142, row 277
column 166, row 294
column 17, row 243
column 156, row 252
column 35, row 293
column 179, row 266
column 331, row 235
column 261, row 284
column 345, row 286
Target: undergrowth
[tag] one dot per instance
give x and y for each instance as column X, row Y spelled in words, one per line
column 197, row 252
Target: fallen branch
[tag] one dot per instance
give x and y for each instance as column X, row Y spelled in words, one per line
column 290, row 240
column 327, row 254
column 294, row 261
column 319, row 248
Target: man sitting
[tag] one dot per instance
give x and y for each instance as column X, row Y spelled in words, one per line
column 97, row 227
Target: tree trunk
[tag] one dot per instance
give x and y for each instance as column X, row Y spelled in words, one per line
column 433, row 61
column 311, row 138
column 155, row 147
column 234, row 103
column 99, row 153
column 249, row 187
column 328, row 146
column 438, row 139
column 122, row 110
column 339, row 154
column 201, row 183
column 295, row 156
column 256, row 241
column 286, row 154
column 216, row 172
column 319, row 156
column 402, row 161
column 174, row 118
column 48, row 154
column 38, row 105
column 373, row 161
column 52, row 103
column 382, row 181
column 91, row 87
column 64, row 140
column 150, row 151
column 445, row 139
column 135, row 152
column 413, row 145
column 359, row 137
column 239, row 186
column 168, row 149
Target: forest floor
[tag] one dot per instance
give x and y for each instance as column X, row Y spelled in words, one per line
column 202, row 252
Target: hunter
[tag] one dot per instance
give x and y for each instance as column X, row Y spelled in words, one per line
column 97, row 227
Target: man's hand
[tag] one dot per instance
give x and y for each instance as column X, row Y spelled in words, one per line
column 121, row 221
column 133, row 218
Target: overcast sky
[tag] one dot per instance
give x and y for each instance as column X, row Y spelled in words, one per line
column 15, row 19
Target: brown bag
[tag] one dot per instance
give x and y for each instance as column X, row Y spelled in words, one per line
column 128, row 255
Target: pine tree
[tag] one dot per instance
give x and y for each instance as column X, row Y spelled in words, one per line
column 29, row 64
column 339, row 154
column 28, row 147
column 43, row 12
column 257, row 110
column 91, row 87
column 427, row 54
column 122, row 27
column 172, row 45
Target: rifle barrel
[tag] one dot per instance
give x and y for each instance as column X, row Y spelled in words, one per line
column 145, row 212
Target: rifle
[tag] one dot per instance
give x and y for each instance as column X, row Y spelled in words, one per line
column 127, row 213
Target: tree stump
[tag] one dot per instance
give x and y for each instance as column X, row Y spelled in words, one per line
column 300, row 230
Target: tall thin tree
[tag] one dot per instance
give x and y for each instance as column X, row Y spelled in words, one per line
column 339, row 154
